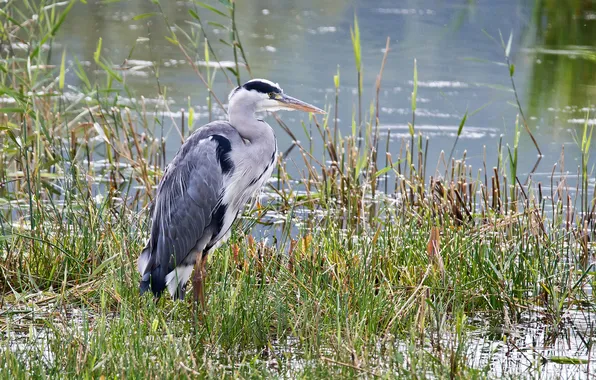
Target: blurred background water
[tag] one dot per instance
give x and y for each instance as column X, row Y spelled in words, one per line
column 460, row 61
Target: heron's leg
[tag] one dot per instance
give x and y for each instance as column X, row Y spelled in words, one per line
column 203, row 276
column 198, row 280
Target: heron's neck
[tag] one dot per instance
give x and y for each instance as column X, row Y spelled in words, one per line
column 251, row 128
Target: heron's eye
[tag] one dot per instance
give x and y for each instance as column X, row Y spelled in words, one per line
column 272, row 95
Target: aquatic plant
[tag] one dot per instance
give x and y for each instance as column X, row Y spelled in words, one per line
column 374, row 267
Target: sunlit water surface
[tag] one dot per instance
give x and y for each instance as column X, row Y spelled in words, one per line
column 456, row 44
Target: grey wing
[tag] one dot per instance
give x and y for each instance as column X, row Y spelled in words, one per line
column 186, row 198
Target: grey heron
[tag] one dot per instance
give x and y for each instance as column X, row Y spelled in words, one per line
column 217, row 170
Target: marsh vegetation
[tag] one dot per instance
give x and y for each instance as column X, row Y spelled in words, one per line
column 370, row 254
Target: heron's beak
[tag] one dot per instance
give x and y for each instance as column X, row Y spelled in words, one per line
column 287, row 102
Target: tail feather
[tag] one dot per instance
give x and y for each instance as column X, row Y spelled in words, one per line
column 153, row 277
column 145, row 281
column 158, row 281
column 153, row 280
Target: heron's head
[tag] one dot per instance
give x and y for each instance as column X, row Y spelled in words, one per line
column 263, row 95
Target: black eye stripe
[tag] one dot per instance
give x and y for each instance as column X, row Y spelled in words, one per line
column 262, row 87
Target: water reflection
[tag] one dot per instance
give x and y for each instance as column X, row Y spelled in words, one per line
column 300, row 45
column 562, row 51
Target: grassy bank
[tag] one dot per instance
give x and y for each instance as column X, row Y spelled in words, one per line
column 374, row 266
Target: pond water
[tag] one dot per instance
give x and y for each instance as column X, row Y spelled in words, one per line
column 460, row 61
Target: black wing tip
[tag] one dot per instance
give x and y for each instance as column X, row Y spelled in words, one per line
column 152, row 281
column 146, row 285
column 143, row 287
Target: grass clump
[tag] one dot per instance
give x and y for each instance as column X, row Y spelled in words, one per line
column 374, row 268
